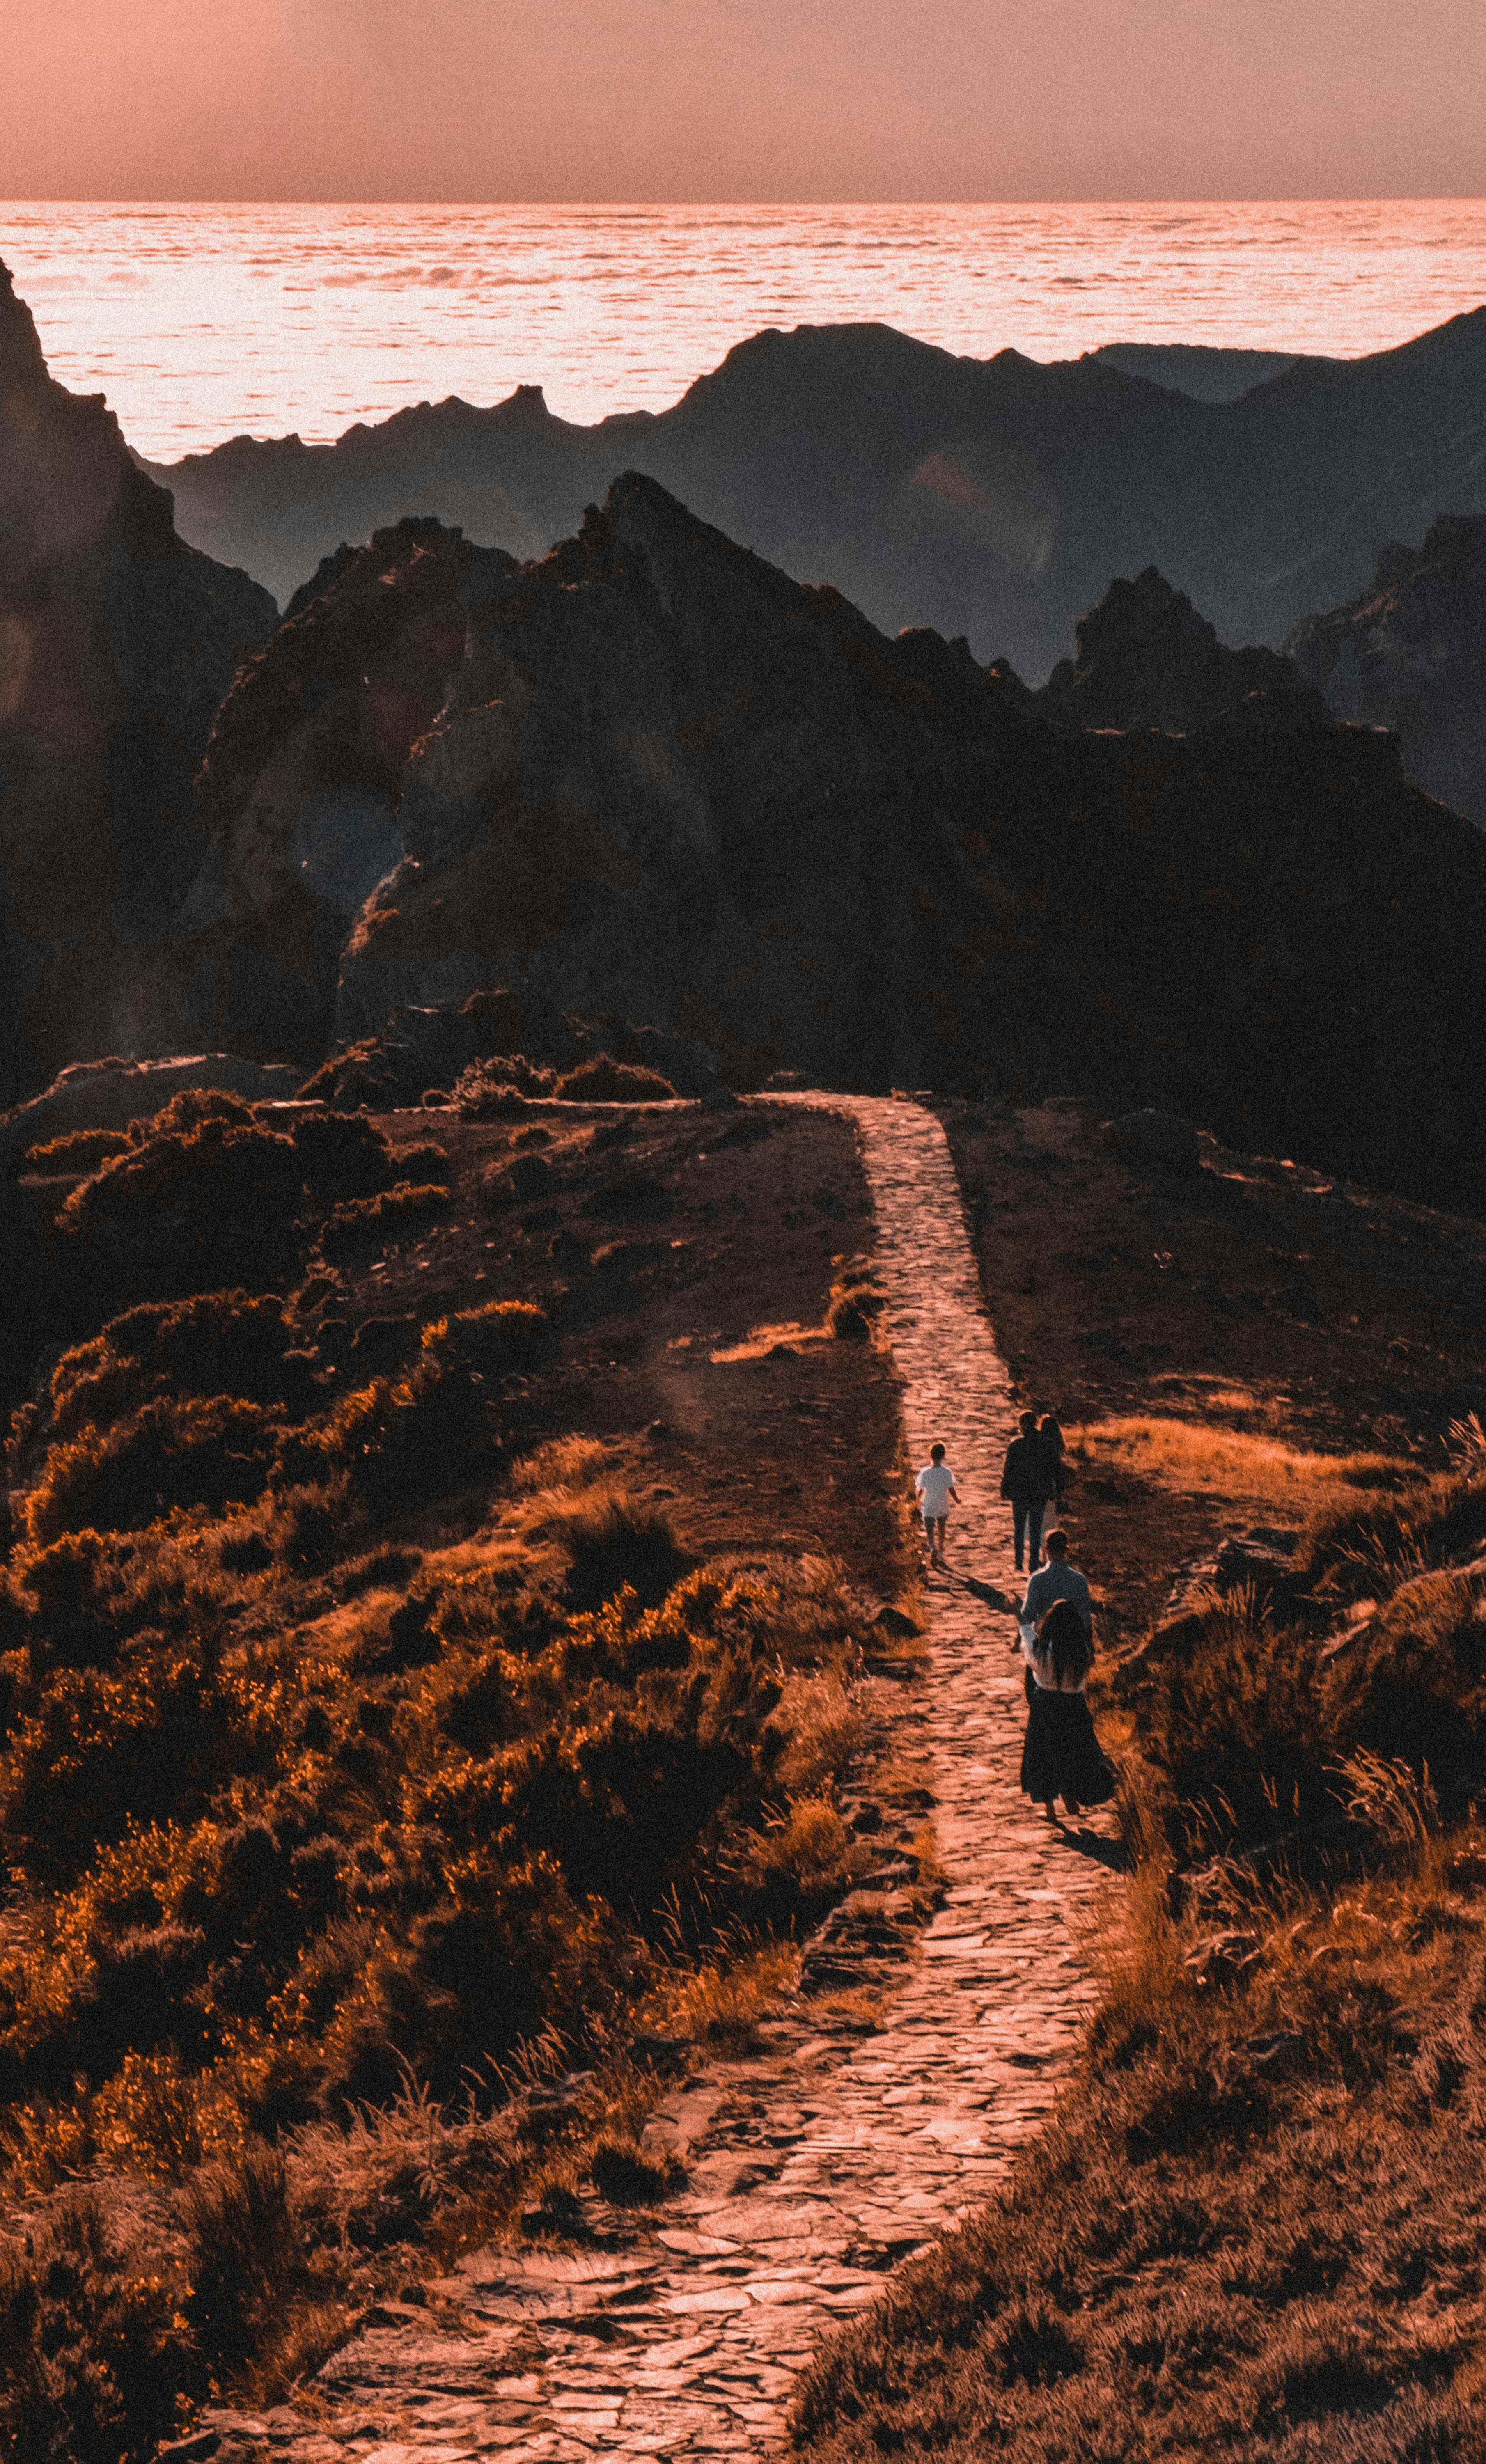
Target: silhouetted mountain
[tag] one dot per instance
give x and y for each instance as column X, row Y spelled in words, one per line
column 990, row 498
column 1146, row 659
column 1204, row 370
column 117, row 644
column 1410, row 654
column 668, row 784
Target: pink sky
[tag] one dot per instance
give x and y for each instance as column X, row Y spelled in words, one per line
column 701, row 100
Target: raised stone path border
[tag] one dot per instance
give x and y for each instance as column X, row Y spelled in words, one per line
column 817, row 2169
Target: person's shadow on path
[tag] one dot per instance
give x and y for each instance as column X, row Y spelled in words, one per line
column 1098, row 1850
column 991, row 1595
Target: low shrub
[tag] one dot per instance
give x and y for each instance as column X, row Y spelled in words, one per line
column 97, row 2351
column 602, row 1080
column 420, row 1164
column 223, row 1172
column 343, row 1154
column 214, row 1343
column 397, row 1440
column 398, row 1212
column 502, row 1339
column 613, row 1542
column 150, row 1740
column 848, row 1313
column 88, row 1592
column 494, row 1089
column 170, row 1453
column 77, row 1151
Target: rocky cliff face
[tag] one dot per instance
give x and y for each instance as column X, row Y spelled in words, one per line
column 1146, row 659
column 990, row 497
column 665, row 783
column 117, row 644
column 299, row 795
column 1410, row 654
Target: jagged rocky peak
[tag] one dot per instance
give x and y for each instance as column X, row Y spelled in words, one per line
column 1146, row 658
column 21, row 360
column 300, row 791
column 117, row 644
column 1410, row 654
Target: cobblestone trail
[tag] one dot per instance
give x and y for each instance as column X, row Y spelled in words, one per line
column 856, row 2148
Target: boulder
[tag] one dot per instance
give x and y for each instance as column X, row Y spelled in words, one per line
column 1153, row 1141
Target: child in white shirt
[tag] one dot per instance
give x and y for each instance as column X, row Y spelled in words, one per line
column 935, row 1487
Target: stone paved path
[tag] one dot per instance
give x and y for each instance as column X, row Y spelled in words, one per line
column 851, row 2154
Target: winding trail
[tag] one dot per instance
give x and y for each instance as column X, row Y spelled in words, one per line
column 837, row 2156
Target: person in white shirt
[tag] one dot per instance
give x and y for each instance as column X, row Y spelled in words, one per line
column 935, row 1487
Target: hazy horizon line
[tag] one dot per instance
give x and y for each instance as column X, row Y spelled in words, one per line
column 652, row 204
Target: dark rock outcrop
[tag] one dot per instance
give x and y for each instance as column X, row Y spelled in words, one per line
column 1410, row 654
column 1146, row 659
column 298, row 795
column 992, row 499
column 666, row 783
column 117, row 644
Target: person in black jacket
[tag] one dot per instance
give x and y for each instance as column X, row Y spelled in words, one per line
column 1028, row 1482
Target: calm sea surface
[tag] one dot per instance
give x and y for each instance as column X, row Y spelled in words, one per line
column 205, row 321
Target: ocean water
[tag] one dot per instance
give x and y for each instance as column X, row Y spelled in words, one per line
column 201, row 322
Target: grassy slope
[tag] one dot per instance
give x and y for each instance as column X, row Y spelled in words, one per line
column 317, row 1802
column 1256, row 2232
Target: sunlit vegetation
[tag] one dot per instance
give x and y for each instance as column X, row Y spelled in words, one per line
column 361, row 1762
column 1255, row 2231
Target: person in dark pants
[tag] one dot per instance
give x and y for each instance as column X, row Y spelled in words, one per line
column 1061, row 1756
column 1050, row 1431
column 1028, row 1482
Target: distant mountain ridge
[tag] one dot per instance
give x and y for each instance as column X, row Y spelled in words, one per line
column 668, row 784
column 992, row 497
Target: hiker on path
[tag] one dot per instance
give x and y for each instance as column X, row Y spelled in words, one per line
column 1028, row 1482
column 1056, row 1580
column 1061, row 1756
column 935, row 1487
column 1050, row 1431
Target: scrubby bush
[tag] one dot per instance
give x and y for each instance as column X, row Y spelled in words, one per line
column 502, row 1339
column 77, row 1151
column 95, row 2349
column 602, row 1080
column 150, row 1740
column 399, row 1441
column 420, row 1164
column 214, row 1343
column 343, row 1154
column 394, row 1215
column 170, row 1452
column 89, row 1592
column 611, row 1542
column 222, row 1175
column 855, row 1301
column 488, row 1091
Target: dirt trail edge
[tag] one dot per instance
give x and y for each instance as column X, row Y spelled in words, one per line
column 838, row 2157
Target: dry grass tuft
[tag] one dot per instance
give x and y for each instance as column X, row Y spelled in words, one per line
column 1203, row 1460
